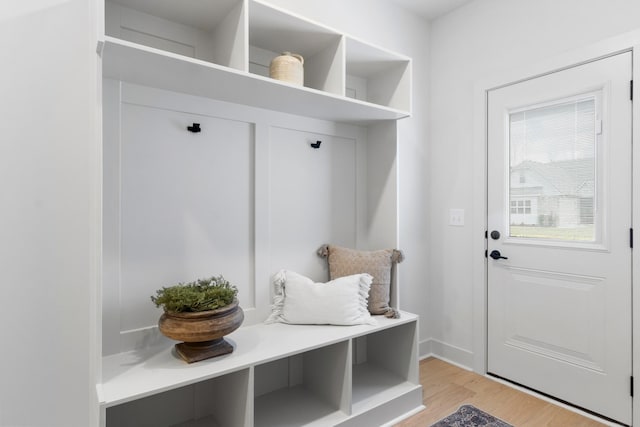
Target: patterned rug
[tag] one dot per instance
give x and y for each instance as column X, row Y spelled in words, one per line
column 470, row 416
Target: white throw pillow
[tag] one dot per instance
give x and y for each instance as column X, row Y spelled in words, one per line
column 299, row 300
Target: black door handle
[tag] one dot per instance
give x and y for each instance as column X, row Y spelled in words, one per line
column 496, row 255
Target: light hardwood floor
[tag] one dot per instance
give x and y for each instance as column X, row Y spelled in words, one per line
column 447, row 387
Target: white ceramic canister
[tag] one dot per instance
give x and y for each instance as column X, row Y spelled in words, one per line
column 288, row 67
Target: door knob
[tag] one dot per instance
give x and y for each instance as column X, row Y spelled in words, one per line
column 496, row 255
column 495, row 234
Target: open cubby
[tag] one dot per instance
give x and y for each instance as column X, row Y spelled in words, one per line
column 307, row 388
column 272, row 31
column 216, row 402
column 210, row 30
column 384, row 366
column 377, row 76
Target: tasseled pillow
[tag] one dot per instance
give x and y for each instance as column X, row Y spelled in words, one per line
column 379, row 264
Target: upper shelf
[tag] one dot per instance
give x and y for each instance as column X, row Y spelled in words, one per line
column 151, row 67
column 221, row 49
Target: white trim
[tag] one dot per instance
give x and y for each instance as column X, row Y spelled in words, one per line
column 450, row 362
column 626, row 42
column 446, row 352
column 635, row 219
column 424, row 349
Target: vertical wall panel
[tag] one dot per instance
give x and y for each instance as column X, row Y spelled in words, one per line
column 187, row 205
column 313, row 198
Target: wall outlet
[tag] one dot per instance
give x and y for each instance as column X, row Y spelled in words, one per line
column 456, row 217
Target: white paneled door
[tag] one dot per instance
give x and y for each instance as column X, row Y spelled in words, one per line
column 559, row 235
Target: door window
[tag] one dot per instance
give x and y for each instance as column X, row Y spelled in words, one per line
column 552, row 156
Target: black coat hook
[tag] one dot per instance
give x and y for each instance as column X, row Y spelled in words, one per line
column 195, row 128
column 316, row 144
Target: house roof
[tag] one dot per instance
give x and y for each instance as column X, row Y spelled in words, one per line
column 566, row 178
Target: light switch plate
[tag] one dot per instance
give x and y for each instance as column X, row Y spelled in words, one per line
column 456, row 217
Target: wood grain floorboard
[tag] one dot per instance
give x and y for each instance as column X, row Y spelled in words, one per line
column 447, row 387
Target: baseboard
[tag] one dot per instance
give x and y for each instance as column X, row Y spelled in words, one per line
column 447, row 352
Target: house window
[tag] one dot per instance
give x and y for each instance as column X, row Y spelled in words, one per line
column 521, row 207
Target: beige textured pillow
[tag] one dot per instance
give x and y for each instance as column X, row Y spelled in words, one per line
column 379, row 264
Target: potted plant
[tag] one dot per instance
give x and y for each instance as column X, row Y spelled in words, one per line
column 200, row 314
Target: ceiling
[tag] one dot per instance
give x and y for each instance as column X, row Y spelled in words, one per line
column 431, row 9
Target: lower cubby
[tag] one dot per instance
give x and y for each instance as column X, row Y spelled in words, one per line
column 217, row 402
column 385, row 370
column 309, row 388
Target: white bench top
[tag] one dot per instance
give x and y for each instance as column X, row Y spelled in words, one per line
column 136, row 374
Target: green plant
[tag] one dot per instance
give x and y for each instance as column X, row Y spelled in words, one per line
column 199, row 295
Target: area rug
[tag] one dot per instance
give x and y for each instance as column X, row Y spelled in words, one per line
column 470, row 416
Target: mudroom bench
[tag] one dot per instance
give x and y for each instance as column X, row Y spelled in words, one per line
column 278, row 375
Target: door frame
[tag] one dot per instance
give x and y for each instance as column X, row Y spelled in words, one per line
column 628, row 42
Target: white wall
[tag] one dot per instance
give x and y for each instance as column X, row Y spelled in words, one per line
column 472, row 43
column 386, row 25
column 49, row 192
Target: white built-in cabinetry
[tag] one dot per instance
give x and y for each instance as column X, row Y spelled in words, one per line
column 221, row 49
column 167, row 64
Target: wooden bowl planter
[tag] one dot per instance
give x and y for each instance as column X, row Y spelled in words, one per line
column 200, row 314
column 202, row 332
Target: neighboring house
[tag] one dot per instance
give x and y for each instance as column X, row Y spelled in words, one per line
column 555, row 194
